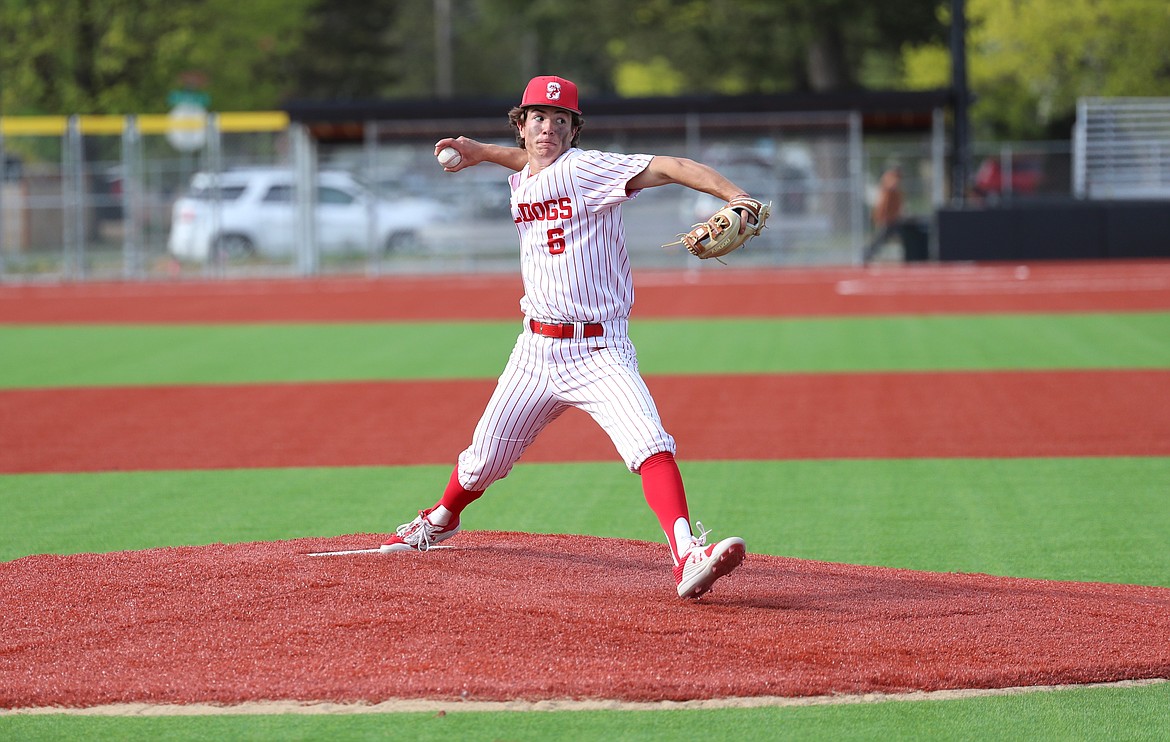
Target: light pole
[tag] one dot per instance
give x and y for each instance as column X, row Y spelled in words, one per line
column 961, row 164
column 444, row 67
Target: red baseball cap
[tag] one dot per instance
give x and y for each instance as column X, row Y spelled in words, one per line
column 550, row 90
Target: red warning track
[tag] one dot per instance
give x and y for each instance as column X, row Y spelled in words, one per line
column 509, row 616
column 711, row 292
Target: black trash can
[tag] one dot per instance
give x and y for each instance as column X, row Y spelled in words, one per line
column 915, row 235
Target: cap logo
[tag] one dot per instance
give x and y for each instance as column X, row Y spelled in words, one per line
column 554, row 91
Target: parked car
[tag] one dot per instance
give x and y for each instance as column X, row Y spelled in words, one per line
column 253, row 212
column 785, row 177
column 12, row 169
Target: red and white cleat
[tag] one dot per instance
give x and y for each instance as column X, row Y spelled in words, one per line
column 419, row 534
column 701, row 564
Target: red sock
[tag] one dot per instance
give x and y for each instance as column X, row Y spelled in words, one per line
column 663, row 486
column 455, row 498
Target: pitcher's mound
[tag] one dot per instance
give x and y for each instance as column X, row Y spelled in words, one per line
column 512, row 616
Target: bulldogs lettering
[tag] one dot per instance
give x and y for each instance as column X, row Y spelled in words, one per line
column 545, row 210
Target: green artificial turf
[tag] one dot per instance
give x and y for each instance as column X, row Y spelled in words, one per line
column 51, row 356
column 1092, row 519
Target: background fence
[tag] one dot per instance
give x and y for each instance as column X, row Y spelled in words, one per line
column 96, row 196
column 92, row 196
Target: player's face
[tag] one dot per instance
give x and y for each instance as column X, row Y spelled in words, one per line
column 547, row 132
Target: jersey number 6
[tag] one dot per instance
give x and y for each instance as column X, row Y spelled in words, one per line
column 556, row 241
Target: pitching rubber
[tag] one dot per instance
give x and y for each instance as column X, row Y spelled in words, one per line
column 363, row 551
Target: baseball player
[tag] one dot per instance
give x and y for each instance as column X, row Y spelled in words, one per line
column 886, row 214
column 574, row 349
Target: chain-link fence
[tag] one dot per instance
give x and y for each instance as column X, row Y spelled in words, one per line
column 809, row 166
column 93, row 196
column 137, row 197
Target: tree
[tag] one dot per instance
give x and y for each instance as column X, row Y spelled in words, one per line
column 665, row 47
column 503, row 43
column 1030, row 60
column 347, row 51
column 765, row 46
column 125, row 56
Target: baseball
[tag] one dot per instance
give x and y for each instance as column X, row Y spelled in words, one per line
column 449, row 157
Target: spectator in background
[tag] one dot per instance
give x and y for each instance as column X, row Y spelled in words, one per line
column 886, row 214
column 988, row 180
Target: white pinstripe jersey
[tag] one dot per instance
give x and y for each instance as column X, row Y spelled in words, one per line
column 573, row 255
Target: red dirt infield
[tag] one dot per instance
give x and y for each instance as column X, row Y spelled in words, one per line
column 510, row 616
column 925, row 289
column 794, row 416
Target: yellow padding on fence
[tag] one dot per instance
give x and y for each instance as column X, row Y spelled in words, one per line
column 27, row 126
column 159, row 123
column 237, row 122
column 255, row 121
column 101, row 124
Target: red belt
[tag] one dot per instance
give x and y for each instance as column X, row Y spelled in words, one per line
column 566, row 330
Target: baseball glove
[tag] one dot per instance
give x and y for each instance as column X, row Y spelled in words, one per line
column 728, row 229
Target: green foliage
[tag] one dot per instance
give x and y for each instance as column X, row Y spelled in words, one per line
column 1029, row 62
column 761, row 46
column 245, row 48
column 346, row 52
column 125, row 56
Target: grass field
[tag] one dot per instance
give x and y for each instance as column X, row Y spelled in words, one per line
column 257, row 353
column 1083, row 519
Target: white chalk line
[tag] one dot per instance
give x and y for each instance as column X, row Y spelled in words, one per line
column 422, row 705
column 1000, row 285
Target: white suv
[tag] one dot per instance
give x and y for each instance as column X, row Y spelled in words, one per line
column 257, row 216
